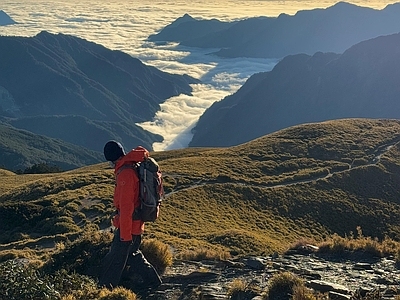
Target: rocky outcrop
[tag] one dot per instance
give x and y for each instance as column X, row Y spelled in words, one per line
column 339, row 278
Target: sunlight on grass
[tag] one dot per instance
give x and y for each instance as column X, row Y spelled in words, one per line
column 317, row 181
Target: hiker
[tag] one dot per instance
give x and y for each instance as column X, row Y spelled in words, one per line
column 124, row 259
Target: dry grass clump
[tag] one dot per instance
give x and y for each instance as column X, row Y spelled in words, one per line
column 240, row 289
column 351, row 245
column 282, row 285
column 158, row 254
column 118, row 293
column 82, row 255
column 301, row 292
column 16, row 254
column 287, row 286
column 360, row 243
column 204, row 254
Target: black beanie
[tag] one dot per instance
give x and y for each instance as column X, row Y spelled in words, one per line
column 113, row 150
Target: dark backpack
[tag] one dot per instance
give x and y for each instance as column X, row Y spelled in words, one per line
column 151, row 190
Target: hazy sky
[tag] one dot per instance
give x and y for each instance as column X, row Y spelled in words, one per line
column 125, row 24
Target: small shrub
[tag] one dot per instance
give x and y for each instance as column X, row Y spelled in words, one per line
column 74, row 286
column 64, row 227
column 362, row 244
column 280, row 286
column 19, row 280
column 42, row 168
column 118, row 293
column 301, row 292
column 8, row 255
column 158, row 254
column 83, row 255
column 72, row 206
column 236, row 286
column 240, row 289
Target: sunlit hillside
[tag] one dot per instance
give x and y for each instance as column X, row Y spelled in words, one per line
column 311, row 180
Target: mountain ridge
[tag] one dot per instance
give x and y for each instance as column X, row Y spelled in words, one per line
column 333, row 29
column 21, row 149
column 65, row 76
column 5, row 19
column 361, row 82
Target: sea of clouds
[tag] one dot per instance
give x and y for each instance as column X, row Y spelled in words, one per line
column 125, row 25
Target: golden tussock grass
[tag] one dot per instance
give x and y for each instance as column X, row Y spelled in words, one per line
column 255, row 198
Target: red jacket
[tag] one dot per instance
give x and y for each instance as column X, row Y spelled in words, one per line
column 126, row 195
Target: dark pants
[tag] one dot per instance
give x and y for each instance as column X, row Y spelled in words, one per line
column 125, row 259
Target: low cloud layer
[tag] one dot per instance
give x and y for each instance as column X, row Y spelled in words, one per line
column 125, row 25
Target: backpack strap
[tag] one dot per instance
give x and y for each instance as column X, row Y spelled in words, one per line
column 124, row 167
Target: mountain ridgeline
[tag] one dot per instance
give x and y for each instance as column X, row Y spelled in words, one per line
column 68, row 88
column 363, row 82
column 21, row 149
column 5, row 19
column 333, row 29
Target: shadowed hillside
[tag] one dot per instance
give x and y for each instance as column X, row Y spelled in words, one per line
column 20, row 149
column 311, row 180
column 360, row 83
column 73, row 87
column 5, row 19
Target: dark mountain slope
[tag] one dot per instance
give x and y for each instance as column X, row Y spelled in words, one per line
column 5, row 19
column 187, row 28
column 87, row 133
column 49, row 75
column 333, row 29
column 20, row 149
column 362, row 82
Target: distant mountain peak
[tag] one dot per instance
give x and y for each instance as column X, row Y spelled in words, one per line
column 5, row 19
column 185, row 18
column 343, row 4
column 331, row 29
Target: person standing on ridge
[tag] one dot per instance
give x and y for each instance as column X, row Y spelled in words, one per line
column 124, row 256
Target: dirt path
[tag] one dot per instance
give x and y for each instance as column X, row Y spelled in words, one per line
column 379, row 151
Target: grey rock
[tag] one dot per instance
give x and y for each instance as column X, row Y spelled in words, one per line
column 324, row 286
column 338, row 296
column 362, row 266
column 341, row 279
column 255, row 263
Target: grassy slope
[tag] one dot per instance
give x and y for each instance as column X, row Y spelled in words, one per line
column 253, row 198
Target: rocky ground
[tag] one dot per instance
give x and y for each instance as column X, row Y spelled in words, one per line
column 351, row 278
